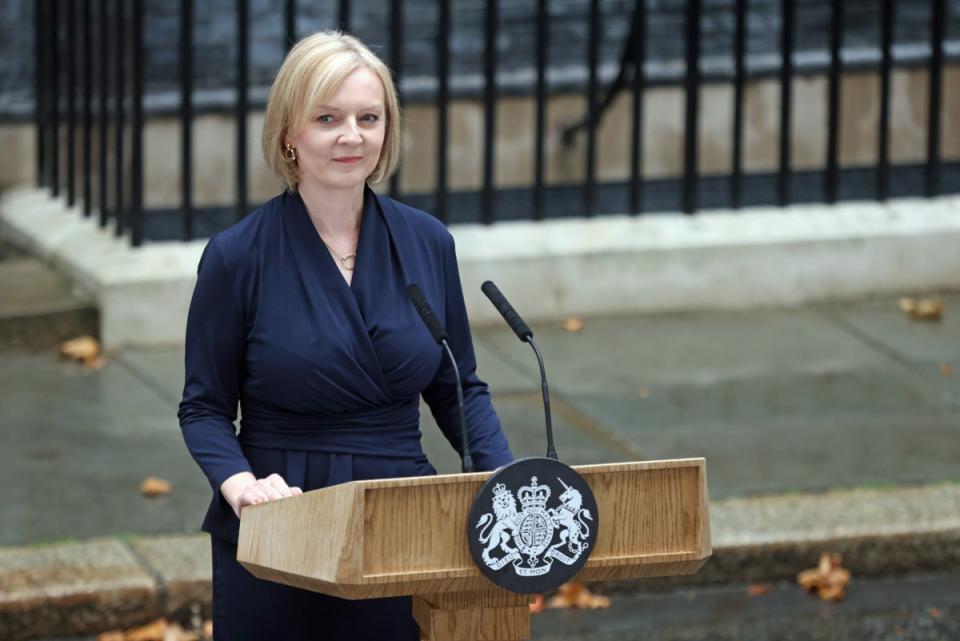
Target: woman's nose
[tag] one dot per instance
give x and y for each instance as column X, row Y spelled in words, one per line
column 351, row 132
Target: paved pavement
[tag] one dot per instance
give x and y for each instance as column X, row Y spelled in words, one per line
column 779, row 401
column 830, row 427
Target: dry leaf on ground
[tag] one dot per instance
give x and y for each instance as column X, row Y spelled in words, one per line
column 154, row 631
column 537, row 606
column 946, row 370
column 935, row 613
column 643, row 392
column 572, row 324
column 153, row 486
column 159, row 630
column 576, row 595
column 929, row 309
column 175, row 633
column 759, row 589
column 828, row 580
column 85, row 350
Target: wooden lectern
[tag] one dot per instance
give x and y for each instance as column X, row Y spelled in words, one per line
column 408, row 536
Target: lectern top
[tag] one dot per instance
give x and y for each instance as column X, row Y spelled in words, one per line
column 390, row 537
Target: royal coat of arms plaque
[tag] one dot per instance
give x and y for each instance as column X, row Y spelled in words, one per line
column 533, row 525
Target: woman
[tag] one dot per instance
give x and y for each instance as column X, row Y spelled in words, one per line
column 300, row 314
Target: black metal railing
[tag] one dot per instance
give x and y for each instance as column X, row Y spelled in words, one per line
column 97, row 46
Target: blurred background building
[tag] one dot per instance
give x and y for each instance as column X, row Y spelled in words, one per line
column 801, row 101
column 145, row 116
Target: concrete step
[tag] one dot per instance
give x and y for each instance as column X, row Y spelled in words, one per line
column 39, row 307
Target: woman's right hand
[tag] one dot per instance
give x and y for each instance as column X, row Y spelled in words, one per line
column 245, row 489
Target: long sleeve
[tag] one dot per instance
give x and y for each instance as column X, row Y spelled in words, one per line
column 214, row 363
column 488, row 445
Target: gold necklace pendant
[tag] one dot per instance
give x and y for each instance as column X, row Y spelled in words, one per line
column 348, row 262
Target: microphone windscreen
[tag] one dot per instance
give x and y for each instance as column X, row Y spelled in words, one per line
column 426, row 313
column 506, row 310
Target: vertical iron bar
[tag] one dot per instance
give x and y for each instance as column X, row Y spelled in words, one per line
column 290, row 23
column 87, row 111
column 243, row 58
column 55, row 98
column 186, row 119
column 443, row 64
column 136, row 129
column 692, row 90
column 592, row 111
column 103, row 194
column 639, row 50
column 937, row 27
column 39, row 91
column 489, row 108
column 119, row 27
column 543, row 34
column 739, row 82
column 886, row 43
column 344, row 16
column 396, row 61
column 71, row 103
column 832, row 176
column 787, row 8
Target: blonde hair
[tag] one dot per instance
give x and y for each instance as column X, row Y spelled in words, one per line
column 311, row 73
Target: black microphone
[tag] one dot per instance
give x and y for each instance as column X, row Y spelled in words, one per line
column 440, row 335
column 523, row 332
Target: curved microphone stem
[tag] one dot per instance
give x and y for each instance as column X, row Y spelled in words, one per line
column 525, row 334
column 467, row 458
column 551, row 450
column 436, row 330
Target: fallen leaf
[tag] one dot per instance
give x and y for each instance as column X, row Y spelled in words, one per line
column 175, row 633
column 928, row 309
column 759, row 589
column 935, row 613
column 572, row 324
column 576, row 595
column 828, row 580
column 644, row 392
column 153, row 486
column 84, row 349
column 946, row 370
column 154, row 631
column 537, row 606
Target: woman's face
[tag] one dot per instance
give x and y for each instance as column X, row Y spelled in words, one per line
column 340, row 144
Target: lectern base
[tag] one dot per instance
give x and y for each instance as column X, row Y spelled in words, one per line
column 494, row 615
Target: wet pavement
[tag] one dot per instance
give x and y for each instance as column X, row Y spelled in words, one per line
column 778, row 401
column 908, row 608
column 920, row 607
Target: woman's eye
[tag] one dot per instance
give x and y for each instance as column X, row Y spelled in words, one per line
column 371, row 118
column 325, row 118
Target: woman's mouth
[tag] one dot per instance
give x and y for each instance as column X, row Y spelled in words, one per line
column 348, row 159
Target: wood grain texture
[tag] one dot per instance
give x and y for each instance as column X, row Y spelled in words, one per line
column 471, row 623
column 390, row 537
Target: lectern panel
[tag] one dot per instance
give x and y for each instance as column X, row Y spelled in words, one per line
column 650, row 511
column 419, row 528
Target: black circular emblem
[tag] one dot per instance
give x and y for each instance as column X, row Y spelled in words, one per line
column 533, row 525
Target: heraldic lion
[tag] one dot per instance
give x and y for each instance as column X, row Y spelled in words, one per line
column 505, row 509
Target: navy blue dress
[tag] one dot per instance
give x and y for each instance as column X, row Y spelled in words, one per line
column 328, row 377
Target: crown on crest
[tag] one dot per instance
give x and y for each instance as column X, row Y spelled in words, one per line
column 500, row 489
column 533, row 495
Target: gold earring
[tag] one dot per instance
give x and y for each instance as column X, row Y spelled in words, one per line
column 289, row 153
